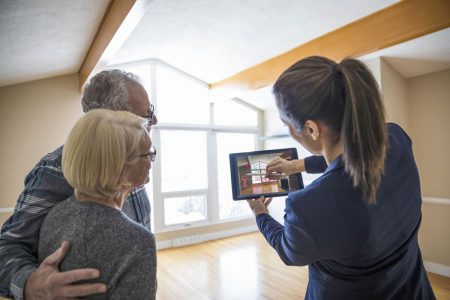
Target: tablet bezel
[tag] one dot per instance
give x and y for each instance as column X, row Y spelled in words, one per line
column 234, row 173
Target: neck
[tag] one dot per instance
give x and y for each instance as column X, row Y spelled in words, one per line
column 115, row 202
column 331, row 152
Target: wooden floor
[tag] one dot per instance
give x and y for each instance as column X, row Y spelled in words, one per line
column 242, row 267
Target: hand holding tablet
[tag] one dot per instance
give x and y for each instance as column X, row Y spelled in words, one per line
column 259, row 206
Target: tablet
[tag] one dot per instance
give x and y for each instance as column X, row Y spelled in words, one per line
column 248, row 174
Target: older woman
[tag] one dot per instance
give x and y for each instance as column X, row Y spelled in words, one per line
column 107, row 154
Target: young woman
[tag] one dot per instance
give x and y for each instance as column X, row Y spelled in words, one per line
column 355, row 226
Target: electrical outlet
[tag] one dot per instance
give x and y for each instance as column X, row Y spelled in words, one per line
column 187, row 240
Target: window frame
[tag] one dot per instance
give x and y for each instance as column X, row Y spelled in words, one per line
column 157, row 197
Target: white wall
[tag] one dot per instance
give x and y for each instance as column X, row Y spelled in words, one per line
column 429, row 97
column 395, row 95
column 35, row 118
column 374, row 66
column 421, row 106
column 430, row 115
column 394, row 90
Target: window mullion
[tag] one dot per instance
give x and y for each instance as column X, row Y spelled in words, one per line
column 213, row 198
column 158, row 204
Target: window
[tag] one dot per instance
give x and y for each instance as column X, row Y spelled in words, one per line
column 234, row 113
column 181, row 99
column 182, row 155
column 178, row 210
column 190, row 181
column 229, row 143
column 143, row 72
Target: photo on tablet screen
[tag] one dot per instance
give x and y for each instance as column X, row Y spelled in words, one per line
column 250, row 180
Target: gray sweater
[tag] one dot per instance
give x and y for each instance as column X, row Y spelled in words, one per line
column 104, row 238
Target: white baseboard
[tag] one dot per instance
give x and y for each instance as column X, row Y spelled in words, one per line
column 6, row 210
column 163, row 244
column 432, row 200
column 437, row 268
column 208, row 236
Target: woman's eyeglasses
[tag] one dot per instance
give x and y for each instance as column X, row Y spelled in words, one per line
column 151, row 154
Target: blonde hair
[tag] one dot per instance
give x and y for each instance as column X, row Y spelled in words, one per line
column 98, row 148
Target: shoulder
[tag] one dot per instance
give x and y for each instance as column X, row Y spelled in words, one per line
column 324, row 189
column 50, row 164
column 52, row 158
column 125, row 229
column 66, row 206
column 131, row 238
column 324, row 203
column 396, row 132
column 108, row 230
column 62, row 214
column 399, row 148
column 57, row 216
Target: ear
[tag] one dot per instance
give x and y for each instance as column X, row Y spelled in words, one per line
column 123, row 178
column 312, row 128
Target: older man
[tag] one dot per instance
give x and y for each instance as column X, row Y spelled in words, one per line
column 45, row 186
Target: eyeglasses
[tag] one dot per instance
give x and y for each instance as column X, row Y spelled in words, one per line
column 151, row 154
column 150, row 117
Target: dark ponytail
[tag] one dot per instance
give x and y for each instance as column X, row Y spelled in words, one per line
column 363, row 132
column 346, row 98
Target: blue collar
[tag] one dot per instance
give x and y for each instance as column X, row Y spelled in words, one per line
column 335, row 165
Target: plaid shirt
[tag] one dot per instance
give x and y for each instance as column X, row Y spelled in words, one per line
column 45, row 186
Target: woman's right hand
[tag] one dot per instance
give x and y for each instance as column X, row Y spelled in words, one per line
column 279, row 168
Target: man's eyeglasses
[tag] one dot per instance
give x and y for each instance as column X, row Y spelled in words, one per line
column 150, row 117
column 151, row 154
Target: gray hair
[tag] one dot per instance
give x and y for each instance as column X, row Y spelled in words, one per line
column 108, row 89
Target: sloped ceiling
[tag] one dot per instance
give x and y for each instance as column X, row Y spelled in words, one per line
column 210, row 39
column 45, row 38
column 214, row 39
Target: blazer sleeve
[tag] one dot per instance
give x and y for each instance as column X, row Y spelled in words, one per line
column 315, row 164
column 294, row 242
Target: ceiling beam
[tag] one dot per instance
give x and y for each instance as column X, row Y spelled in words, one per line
column 121, row 18
column 403, row 21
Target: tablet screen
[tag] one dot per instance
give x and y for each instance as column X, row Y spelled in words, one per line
column 249, row 179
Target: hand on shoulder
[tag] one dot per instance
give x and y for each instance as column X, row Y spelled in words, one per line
column 47, row 282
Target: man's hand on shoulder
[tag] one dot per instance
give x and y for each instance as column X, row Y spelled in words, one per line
column 47, row 282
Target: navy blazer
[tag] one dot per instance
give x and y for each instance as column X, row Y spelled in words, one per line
column 356, row 250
